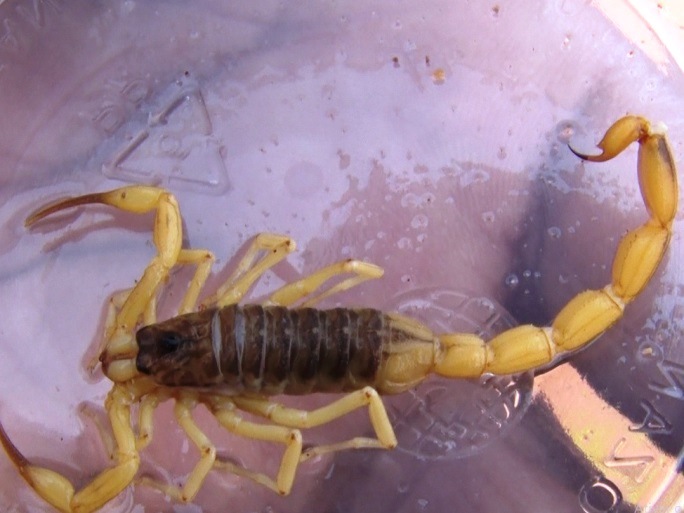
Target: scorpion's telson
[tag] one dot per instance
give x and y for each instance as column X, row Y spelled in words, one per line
column 255, row 351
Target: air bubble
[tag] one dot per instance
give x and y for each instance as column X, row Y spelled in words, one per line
column 527, row 273
column 512, row 280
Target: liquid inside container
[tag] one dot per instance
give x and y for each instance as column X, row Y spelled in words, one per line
column 429, row 139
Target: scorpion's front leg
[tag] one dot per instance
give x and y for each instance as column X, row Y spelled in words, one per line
column 58, row 491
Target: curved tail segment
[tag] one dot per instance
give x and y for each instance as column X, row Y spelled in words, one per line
column 591, row 312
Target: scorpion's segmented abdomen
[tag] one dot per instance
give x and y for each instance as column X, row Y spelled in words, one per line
column 272, row 349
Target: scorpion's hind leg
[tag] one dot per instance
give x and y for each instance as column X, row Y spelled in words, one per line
column 302, row 419
column 223, row 409
column 591, row 312
column 58, row 491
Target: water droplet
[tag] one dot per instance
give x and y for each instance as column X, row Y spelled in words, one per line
column 565, row 131
column 419, row 221
column 422, row 503
column 427, row 199
column 554, row 232
column 402, row 487
column 512, row 280
column 527, row 273
column 404, row 243
column 488, row 217
column 406, row 278
column 409, row 200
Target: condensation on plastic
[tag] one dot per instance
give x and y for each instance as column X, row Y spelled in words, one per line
column 427, row 137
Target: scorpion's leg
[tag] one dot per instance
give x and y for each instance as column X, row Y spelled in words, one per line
column 203, row 259
column 266, row 250
column 224, row 411
column 183, row 412
column 58, row 491
column 591, row 312
column 293, row 292
column 302, row 419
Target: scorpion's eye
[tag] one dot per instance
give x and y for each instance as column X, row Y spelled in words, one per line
column 169, row 342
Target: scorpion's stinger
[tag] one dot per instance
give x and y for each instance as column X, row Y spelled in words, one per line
column 618, row 137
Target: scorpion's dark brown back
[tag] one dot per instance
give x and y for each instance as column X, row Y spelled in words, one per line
column 267, row 349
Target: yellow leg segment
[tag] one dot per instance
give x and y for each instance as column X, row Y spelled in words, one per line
column 301, row 419
column 265, row 251
column 591, row 312
column 183, row 412
column 293, row 292
column 223, row 410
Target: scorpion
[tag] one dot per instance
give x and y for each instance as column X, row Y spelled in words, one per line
column 234, row 358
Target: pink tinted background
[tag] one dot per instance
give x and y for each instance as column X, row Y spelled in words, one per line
column 328, row 122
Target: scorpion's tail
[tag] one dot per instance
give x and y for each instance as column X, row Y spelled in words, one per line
column 591, row 312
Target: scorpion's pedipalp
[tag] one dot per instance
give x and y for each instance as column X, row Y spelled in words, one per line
column 58, row 491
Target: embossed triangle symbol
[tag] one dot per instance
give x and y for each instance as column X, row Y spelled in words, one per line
column 175, row 146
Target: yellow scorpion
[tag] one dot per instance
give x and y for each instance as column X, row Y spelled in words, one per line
column 233, row 358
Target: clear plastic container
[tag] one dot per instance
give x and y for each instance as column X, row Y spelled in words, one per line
column 428, row 138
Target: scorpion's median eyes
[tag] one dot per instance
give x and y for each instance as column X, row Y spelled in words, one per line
column 169, row 342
